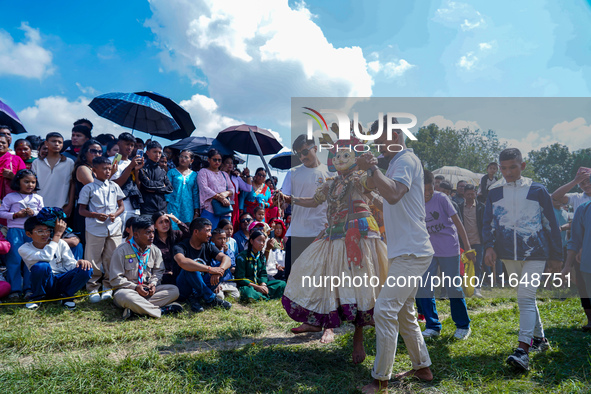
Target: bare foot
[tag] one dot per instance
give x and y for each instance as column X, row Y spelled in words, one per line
column 376, row 387
column 328, row 336
column 358, row 349
column 305, row 327
column 421, row 374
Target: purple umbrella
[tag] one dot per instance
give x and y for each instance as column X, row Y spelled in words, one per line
column 8, row 118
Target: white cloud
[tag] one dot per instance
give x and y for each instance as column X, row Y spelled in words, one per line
column 86, row 89
column 534, row 140
column 204, row 112
column 57, row 113
column 454, row 13
column 393, row 69
column 468, row 61
column 485, row 45
column 244, row 51
column 390, row 69
column 576, row 134
column 25, row 59
column 443, row 123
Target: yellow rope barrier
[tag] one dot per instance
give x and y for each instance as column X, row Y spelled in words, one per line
column 40, row 301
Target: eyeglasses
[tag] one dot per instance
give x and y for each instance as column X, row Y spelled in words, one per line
column 304, row 152
column 95, row 151
column 245, row 220
column 217, row 160
column 42, row 232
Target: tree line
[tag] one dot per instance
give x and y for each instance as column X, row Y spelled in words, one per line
column 552, row 166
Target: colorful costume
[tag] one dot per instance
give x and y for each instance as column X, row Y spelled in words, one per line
column 350, row 247
column 185, row 196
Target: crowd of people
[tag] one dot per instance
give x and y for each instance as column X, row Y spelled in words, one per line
column 149, row 227
column 130, row 221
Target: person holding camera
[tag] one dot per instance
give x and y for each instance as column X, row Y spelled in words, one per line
column 136, row 273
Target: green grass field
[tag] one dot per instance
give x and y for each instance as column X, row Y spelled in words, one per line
column 249, row 349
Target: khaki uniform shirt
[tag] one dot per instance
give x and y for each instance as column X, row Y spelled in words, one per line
column 123, row 271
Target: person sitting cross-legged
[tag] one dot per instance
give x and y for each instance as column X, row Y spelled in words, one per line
column 251, row 272
column 193, row 256
column 136, row 273
column 54, row 270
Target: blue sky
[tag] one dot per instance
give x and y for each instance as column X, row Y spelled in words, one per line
column 232, row 62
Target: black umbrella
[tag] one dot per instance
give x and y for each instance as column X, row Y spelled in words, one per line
column 201, row 145
column 9, row 118
column 284, row 161
column 179, row 114
column 136, row 112
column 250, row 140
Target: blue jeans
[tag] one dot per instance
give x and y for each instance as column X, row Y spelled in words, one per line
column 213, row 218
column 19, row 275
column 46, row 283
column 450, row 267
column 191, row 284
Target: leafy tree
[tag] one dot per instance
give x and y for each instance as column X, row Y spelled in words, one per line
column 553, row 165
column 473, row 150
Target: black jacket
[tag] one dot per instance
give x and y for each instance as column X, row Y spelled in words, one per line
column 154, row 185
column 479, row 216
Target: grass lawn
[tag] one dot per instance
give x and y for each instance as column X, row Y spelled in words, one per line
column 249, row 349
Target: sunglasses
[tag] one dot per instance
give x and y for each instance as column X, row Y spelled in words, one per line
column 304, row 152
column 216, row 160
column 95, row 151
column 246, row 221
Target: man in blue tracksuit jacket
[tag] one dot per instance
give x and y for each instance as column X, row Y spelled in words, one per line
column 520, row 228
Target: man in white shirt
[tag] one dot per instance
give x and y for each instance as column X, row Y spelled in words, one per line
column 409, row 253
column 575, row 199
column 302, row 181
column 54, row 174
column 126, row 167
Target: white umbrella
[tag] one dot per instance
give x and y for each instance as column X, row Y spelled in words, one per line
column 455, row 174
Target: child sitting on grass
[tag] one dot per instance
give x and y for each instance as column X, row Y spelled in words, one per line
column 219, row 239
column 251, row 272
column 54, row 271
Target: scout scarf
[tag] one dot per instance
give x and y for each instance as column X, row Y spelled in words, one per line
column 142, row 259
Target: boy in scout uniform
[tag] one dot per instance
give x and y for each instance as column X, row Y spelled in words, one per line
column 136, row 271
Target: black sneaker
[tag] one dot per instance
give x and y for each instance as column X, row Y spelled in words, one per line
column 171, row 308
column 218, row 303
column 539, row 345
column 196, row 306
column 519, row 359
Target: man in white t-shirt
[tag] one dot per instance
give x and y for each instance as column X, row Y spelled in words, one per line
column 123, row 177
column 302, row 181
column 409, row 255
column 575, row 199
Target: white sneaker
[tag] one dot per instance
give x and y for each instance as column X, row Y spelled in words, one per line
column 107, row 295
column 70, row 305
column 31, row 306
column 430, row 333
column 94, row 297
column 478, row 293
column 462, row 333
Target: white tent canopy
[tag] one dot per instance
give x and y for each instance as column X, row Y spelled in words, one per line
column 455, row 174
